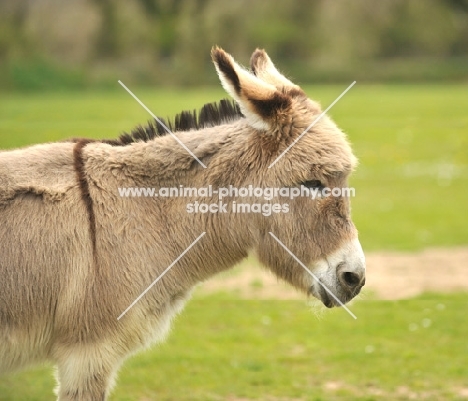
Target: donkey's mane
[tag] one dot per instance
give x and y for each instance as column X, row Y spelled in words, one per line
column 210, row 115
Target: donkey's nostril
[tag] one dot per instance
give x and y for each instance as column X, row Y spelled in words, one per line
column 351, row 279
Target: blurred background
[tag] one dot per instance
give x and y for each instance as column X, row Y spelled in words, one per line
column 245, row 336
column 48, row 44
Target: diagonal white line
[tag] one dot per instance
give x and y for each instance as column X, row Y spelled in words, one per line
column 313, row 275
column 161, row 275
column 311, row 125
column 162, row 124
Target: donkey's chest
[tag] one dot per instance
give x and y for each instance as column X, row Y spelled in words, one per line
column 154, row 324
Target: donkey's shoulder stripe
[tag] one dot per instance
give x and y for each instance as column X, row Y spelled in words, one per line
column 79, row 165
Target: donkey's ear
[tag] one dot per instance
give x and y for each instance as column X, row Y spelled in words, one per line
column 260, row 102
column 262, row 66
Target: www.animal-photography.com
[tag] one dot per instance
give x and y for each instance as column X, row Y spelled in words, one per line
column 233, row 201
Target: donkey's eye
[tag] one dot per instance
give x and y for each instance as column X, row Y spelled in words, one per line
column 313, row 184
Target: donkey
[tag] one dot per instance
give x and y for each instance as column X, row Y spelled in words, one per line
column 75, row 254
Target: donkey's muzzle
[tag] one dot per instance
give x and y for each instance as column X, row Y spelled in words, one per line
column 345, row 275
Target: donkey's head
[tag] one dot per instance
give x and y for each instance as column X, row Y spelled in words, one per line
column 318, row 232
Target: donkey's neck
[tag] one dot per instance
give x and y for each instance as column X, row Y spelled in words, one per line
column 164, row 163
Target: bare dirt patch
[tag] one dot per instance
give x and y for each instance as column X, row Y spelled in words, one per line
column 390, row 275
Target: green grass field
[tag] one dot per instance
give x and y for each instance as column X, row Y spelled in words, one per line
column 411, row 192
column 228, row 349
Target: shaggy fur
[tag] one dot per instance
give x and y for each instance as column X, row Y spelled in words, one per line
column 75, row 255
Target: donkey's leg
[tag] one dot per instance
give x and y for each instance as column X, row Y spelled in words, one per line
column 84, row 375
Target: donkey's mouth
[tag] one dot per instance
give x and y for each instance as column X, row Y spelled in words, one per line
column 322, row 295
column 330, row 301
column 326, row 299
